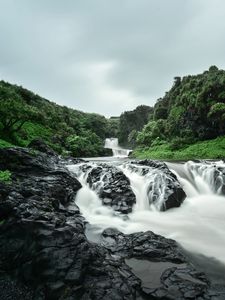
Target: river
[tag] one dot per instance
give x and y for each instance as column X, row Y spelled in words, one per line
column 198, row 225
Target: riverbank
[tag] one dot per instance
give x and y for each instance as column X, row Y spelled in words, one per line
column 210, row 149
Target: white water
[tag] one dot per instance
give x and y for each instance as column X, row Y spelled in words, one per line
column 198, row 225
column 112, row 143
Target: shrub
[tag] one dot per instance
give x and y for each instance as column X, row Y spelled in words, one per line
column 5, row 176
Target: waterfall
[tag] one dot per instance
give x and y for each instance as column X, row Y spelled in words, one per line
column 201, row 178
column 112, row 143
column 198, row 224
column 149, row 185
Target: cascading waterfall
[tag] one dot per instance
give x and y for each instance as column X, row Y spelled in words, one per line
column 149, row 184
column 205, row 178
column 112, row 143
column 198, row 225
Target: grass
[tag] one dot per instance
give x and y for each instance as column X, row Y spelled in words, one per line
column 210, row 149
column 31, row 131
column 4, row 144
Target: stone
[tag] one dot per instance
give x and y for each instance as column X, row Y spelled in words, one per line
column 40, row 145
column 113, row 187
column 45, row 254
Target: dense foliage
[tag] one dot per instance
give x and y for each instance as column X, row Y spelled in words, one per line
column 193, row 110
column 26, row 116
column 131, row 122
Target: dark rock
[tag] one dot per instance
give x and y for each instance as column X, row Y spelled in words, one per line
column 42, row 237
column 13, row 290
column 45, row 254
column 160, row 265
column 24, row 161
column 113, row 187
column 40, row 145
column 142, row 244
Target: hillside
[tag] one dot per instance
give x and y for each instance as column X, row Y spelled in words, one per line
column 26, row 116
column 193, row 110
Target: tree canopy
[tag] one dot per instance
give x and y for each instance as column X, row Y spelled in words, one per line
column 193, row 109
column 25, row 116
column 15, row 111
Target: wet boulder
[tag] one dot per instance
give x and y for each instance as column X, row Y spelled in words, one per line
column 40, row 145
column 142, row 245
column 25, row 161
column 113, row 187
column 159, row 264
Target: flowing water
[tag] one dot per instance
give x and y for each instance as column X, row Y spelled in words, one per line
column 112, row 143
column 198, row 224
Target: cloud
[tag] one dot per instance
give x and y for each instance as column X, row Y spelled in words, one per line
column 108, row 56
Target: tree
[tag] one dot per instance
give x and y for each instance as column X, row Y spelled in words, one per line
column 160, row 112
column 89, row 144
column 217, row 114
column 97, row 124
column 113, row 127
column 177, row 81
column 213, row 69
column 151, row 131
column 133, row 120
column 132, row 137
column 14, row 111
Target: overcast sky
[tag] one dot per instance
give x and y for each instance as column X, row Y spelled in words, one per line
column 108, row 56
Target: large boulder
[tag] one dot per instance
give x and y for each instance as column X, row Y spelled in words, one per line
column 142, row 245
column 24, row 161
column 159, row 264
column 113, row 187
column 40, row 145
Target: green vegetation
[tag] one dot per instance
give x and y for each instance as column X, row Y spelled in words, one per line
column 14, row 111
column 130, row 122
column 4, row 144
column 113, row 127
column 187, row 120
column 5, row 176
column 26, row 116
column 184, row 124
column 211, row 149
column 87, row 145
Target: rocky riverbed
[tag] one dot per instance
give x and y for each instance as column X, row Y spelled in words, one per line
column 45, row 254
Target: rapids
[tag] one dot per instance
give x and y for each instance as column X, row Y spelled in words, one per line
column 198, row 224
